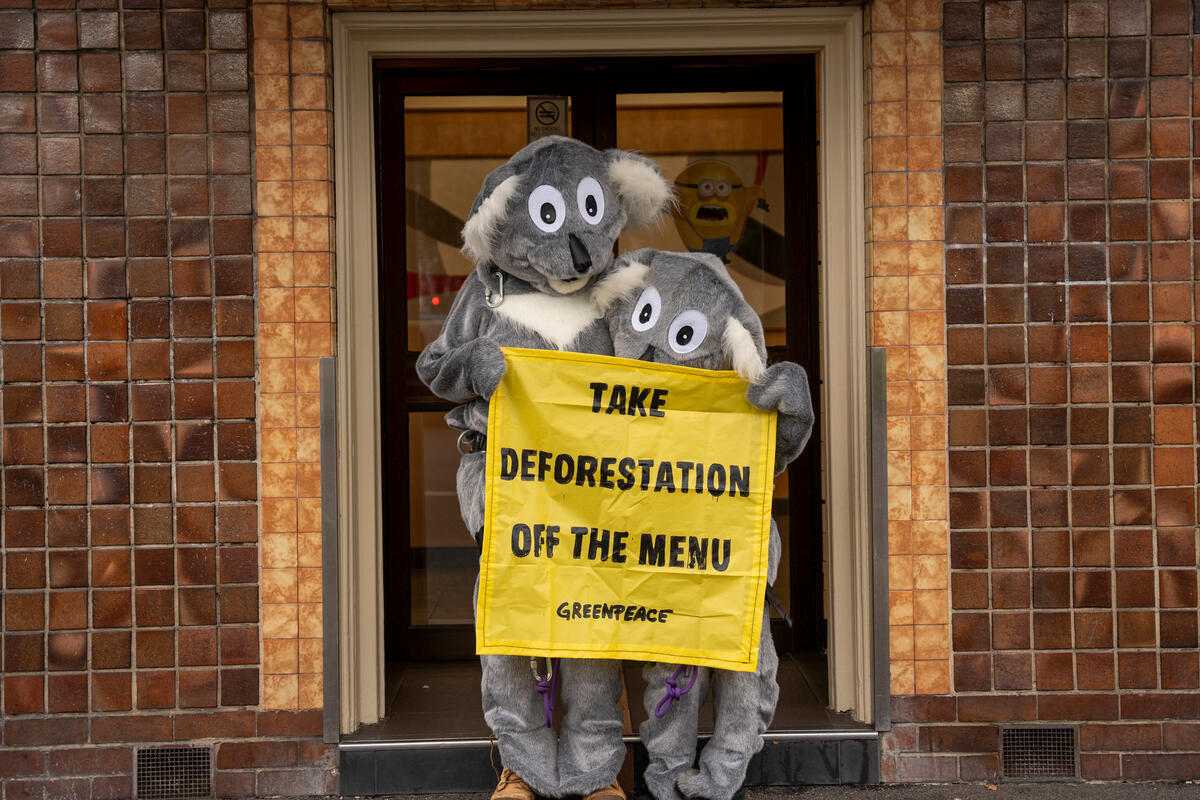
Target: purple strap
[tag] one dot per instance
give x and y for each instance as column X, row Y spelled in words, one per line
column 547, row 687
column 673, row 690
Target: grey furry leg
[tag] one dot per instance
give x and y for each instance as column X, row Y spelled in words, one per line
column 743, row 705
column 470, row 485
column 514, row 712
column 590, row 750
column 671, row 741
column 517, row 717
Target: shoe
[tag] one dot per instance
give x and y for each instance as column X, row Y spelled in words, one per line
column 511, row 787
column 613, row 792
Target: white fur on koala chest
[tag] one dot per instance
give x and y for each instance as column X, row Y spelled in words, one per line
column 557, row 319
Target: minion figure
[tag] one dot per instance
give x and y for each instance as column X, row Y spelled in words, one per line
column 713, row 207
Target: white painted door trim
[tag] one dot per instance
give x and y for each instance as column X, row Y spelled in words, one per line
column 833, row 33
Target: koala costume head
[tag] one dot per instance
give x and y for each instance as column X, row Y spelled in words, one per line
column 551, row 215
column 689, row 312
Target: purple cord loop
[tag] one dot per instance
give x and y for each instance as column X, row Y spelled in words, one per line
column 547, row 687
column 673, row 690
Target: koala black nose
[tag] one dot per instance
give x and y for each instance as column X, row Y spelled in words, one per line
column 579, row 254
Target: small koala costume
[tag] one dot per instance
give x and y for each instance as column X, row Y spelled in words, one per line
column 541, row 233
column 691, row 312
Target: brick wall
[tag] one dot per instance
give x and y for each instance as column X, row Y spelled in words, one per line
column 1070, row 330
column 127, row 354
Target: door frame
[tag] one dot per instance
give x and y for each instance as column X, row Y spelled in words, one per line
column 594, row 86
column 835, row 34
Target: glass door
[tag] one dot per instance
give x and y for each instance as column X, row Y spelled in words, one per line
column 721, row 133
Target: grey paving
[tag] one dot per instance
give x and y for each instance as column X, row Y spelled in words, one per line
column 955, row 791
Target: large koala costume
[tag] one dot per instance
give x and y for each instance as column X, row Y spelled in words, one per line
column 691, row 312
column 541, row 233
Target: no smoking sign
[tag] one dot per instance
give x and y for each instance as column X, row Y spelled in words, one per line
column 546, row 116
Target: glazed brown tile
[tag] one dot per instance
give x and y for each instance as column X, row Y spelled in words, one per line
column 239, row 604
column 1127, row 58
column 198, row 688
column 1176, row 548
column 972, row 672
column 1051, row 590
column 962, row 62
column 1045, row 182
column 238, row 523
column 1096, row 672
column 66, row 694
column 155, row 608
column 109, row 526
column 1170, row 179
column 111, row 650
column 146, row 154
column 1011, row 631
column 1131, row 465
column 1005, row 344
column 1046, row 303
column 1012, row 671
column 155, row 690
column 192, row 359
column 197, row 606
column 144, row 195
column 240, row 686
column 963, row 21
column 1136, row 629
column 1046, row 263
column 963, row 143
column 1004, row 60
column 112, row 692
column 185, row 73
column 966, row 386
column 58, row 114
column 969, row 590
column 1002, row 140
column 111, row 608
column 194, row 483
column 1179, row 670
column 1093, row 629
column 197, row 647
column 1008, row 509
column 1051, row 630
column 195, row 524
column 1054, row 671
column 1177, row 629
column 155, row 649
column 154, row 567
column 1010, row 589
column 152, row 525
column 1128, row 138
column 970, row 632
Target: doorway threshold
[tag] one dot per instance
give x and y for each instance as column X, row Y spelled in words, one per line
column 434, row 738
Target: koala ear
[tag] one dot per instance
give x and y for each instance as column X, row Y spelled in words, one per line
column 746, row 351
column 488, row 213
column 628, row 274
column 640, row 185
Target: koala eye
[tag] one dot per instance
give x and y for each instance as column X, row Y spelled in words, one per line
column 723, row 188
column 591, row 200
column 705, row 188
column 645, row 310
column 687, row 331
column 546, row 208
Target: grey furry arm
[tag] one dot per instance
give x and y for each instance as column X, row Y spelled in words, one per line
column 461, row 364
column 784, row 388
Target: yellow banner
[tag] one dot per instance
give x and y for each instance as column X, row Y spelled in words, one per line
column 628, row 512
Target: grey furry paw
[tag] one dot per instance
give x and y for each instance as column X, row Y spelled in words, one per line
column 695, row 785
column 486, row 367
column 783, row 388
